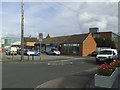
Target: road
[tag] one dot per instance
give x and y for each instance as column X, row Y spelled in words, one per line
column 31, row 75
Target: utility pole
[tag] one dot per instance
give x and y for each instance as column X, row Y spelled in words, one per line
column 22, row 32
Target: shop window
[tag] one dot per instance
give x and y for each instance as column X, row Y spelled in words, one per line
column 71, row 49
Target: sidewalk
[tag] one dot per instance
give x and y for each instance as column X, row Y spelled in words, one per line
column 81, row 80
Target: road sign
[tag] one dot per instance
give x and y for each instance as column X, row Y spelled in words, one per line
column 40, row 37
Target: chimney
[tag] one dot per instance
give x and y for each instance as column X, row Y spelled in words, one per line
column 93, row 30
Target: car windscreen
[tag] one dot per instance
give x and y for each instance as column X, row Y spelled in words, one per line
column 54, row 50
column 105, row 52
column 35, row 50
column 30, row 50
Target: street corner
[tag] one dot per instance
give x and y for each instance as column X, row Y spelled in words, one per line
column 51, row 84
column 72, row 81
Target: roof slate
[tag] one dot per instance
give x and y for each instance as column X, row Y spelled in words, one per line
column 30, row 39
column 75, row 39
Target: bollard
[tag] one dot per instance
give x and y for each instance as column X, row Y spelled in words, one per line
column 28, row 57
column 12, row 55
column 32, row 57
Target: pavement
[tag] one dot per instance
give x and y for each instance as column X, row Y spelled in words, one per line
column 80, row 80
column 83, row 81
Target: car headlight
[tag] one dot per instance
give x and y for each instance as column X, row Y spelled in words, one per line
column 96, row 57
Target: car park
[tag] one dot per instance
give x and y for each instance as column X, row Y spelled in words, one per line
column 107, row 55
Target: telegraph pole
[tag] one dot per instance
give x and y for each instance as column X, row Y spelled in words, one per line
column 22, row 32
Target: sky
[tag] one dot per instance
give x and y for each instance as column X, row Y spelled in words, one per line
column 58, row 18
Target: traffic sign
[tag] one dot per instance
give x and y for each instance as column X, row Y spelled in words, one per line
column 40, row 35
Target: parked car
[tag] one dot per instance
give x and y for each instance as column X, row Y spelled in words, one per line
column 36, row 53
column 31, row 52
column 107, row 55
column 53, row 52
column 19, row 51
column 94, row 53
column 13, row 51
column 8, row 52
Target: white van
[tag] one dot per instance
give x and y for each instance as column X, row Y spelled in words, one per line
column 107, row 55
column 13, row 51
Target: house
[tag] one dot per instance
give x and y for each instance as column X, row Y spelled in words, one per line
column 29, row 42
column 82, row 44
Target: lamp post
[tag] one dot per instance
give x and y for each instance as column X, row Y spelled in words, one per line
column 22, row 32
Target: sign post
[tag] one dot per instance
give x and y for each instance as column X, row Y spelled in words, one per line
column 40, row 37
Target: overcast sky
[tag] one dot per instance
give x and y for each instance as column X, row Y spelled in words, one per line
column 59, row 18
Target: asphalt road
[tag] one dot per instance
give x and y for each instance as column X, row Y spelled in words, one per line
column 32, row 75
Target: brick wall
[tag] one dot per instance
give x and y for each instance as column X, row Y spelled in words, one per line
column 106, row 35
column 89, row 45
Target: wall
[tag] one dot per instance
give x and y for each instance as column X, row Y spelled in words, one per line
column 89, row 45
column 106, row 35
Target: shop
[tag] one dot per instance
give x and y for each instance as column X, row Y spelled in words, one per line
column 82, row 44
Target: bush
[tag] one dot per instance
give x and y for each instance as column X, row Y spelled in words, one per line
column 105, row 42
column 117, row 63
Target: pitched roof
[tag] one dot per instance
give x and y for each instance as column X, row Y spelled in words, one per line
column 30, row 39
column 76, row 39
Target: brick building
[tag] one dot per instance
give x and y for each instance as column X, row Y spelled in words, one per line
column 113, row 36
column 82, row 44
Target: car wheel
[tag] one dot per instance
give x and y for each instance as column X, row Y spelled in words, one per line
column 38, row 54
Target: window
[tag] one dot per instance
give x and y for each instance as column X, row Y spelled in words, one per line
column 71, row 49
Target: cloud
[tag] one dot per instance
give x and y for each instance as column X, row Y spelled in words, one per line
column 61, row 18
column 99, row 15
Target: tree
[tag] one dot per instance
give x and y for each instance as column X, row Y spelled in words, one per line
column 105, row 42
column 48, row 36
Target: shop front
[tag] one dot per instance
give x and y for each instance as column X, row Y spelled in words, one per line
column 71, row 49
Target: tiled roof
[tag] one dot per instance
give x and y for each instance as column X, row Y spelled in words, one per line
column 76, row 39
column 30, row 39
